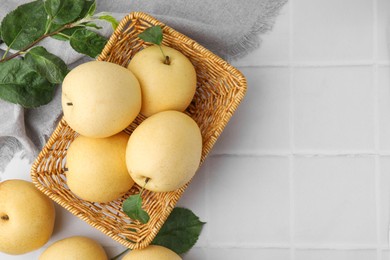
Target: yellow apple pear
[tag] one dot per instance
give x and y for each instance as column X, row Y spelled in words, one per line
column 100, row 99
column 164, row 86
column 164, row 150
column 96, row 168
column 26, row 217
column 152, row 252
column 74, row 248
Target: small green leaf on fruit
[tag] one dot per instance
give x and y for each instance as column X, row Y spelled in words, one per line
column 180, row 231
column 110, row 19
column 47, row 64
column 153, row 34
column 87, row 42
column 132, row 206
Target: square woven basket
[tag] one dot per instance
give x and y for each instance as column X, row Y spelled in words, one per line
column 220, row 89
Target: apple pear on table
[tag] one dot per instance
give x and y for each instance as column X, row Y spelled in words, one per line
column 152, row 252
column 164, row 151
column 100, row 99
column 96, row 168
column 74, row 248
column 27, row 217
column 164, row 86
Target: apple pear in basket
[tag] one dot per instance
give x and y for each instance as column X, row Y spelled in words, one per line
column 164, row 151
column 96, row 168
column 100, row 99
column 166, row 76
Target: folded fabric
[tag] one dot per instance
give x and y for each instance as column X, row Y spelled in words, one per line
column 226, row 27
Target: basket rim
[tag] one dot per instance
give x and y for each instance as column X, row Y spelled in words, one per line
column 144, row 16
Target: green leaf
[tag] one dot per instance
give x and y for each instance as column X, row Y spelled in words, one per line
column 87, row 42
column 88, row 9
column 153, row 34
column 24, row 25
column 47, row 64
column 21, row 84
column 132, row 206
column 64, row 11
column 93, row 25
column 180, row 231
column 110, row 19
column 65, row 34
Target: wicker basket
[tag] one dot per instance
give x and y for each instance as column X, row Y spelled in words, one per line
column 220, row 89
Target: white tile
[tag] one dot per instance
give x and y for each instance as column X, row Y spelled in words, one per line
column 194, row 198
column 385, row 200
column 332, row 30
column 274, row 47
column 383, row 75
column 196, row 253
column 67, row 225
column 333, row 108
column 261, row 122
column 385, row 255
column 237, row 253
column 248, row 200
column 335, row 254
column 334, row 200
column 31, row 255
column 383, row 30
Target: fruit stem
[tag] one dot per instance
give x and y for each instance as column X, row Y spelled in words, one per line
column 142, row 190
column 167, row 61
column 5, row 217
column 69, row 104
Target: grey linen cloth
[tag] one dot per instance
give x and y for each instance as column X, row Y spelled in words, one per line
column 229, row 28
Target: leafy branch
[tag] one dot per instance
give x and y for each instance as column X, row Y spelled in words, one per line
column 31, row 82
column 22, row 51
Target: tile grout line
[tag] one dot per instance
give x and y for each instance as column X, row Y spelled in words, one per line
column 301, row 246
column 376, row 130
column 291, row 132
column 304, row 153
column 319, row 64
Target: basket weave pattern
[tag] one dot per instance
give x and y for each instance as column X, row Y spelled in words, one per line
column 220, row 89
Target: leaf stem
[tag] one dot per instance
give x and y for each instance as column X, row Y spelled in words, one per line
column 64, row 35
column 143, row 187
column 166, row 58
column 6, row 52
column 120, row 254
column 48, row 26
column 3, row 59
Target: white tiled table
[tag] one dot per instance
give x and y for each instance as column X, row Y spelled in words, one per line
column 302, row 171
